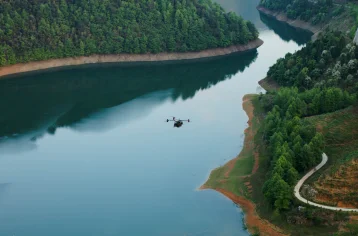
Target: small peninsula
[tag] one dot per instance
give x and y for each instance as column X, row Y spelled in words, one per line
column 70, row 29
column 310, row 108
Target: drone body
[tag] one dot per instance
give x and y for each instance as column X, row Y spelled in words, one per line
column 178, row 122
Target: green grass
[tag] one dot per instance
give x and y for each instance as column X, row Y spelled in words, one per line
column 237, row 175
column 340, row 130
column 235, row 182
column 263, row 207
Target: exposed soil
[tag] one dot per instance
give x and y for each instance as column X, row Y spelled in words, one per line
column 252, row 219
column 269, row 84
column 249, row 132
column 256, row 165
column 94, row 59
column 342, row 22
column 295, row 23
column 339, row 188
column 249, row 136
column 337, row 185
column 353, row 218
column 229, row 166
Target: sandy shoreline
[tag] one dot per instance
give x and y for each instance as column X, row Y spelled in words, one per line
column 252, row 219
column 95, row 59
column 295, row 23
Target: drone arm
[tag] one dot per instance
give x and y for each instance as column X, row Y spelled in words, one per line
column 188, row 120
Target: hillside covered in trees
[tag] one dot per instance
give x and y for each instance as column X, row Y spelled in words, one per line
column 39, row 30
column 321, row 77
column 314, row 11
column 294, row 145
column 331, row 61
column 318, row 79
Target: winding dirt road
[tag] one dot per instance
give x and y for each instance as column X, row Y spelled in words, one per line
column 304, row 178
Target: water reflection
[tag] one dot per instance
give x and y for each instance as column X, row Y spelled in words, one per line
column 285, row 31
column 108, row 118
column 38, row 103
column 247, row 9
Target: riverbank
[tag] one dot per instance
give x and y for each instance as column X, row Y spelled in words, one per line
column 269, row 84
column 233, row 179
column 280, row 16
column 95, row 59
column 343, row 22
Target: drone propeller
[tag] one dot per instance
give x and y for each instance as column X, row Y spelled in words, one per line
column 188, row 120
column 172, row 119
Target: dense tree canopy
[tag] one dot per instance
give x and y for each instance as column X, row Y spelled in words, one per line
column 330, row 61
column 294, row 145
column 315, row 11
column 321, row 77
column 38, row 29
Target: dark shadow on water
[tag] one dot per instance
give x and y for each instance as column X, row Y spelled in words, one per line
column 247, row 9
column 107, row 118
column 285, row 31
column 39, row 103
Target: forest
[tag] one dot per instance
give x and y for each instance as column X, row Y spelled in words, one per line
column 38, row 30
column 315, row 11
column 295, row 146
column 320, row 78
column 330, row 61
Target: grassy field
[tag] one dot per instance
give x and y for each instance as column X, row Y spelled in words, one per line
column 337, row 182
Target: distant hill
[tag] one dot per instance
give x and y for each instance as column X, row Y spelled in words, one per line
column 313, row 11
column 32, row 30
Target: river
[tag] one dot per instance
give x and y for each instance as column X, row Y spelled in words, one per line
column 86, row 151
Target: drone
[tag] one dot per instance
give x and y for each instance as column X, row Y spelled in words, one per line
column 178, row 122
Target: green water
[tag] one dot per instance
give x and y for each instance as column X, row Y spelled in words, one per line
column 87, row 151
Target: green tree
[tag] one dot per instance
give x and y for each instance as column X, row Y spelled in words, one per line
column 36, row 30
